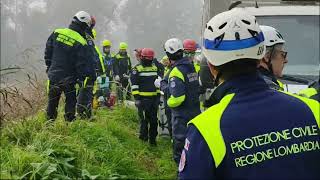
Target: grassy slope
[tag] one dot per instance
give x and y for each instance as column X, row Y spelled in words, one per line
column 107, row 147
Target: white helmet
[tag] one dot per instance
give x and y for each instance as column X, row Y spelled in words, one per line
column 272, row 36
column 233, row 35
column 173, row 45
column 85, row 17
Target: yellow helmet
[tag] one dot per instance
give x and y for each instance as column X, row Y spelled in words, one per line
column 123, row 46
column 106, row 43
column 94, row 33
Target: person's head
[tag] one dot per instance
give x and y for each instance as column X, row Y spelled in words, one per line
column 276, row 56
column 147, row 56
column 84, row 20
column 165, row 61
column 233, row 44
column 189, row 48
column 123, row 48
column 174, row 49
column 93, row 22
column 106, row 46
column 137, row 53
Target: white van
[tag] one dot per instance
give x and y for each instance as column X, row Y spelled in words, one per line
column 298, row 22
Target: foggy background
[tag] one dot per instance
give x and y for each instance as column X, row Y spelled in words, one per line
column 26, row 25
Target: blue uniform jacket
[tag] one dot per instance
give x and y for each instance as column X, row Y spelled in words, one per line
column 267, row 135
column 67, row 62
column 108, row 61
column 188, row 106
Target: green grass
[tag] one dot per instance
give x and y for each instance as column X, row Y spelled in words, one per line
column 107, row 148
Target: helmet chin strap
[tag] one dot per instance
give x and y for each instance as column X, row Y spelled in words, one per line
column 216, row 80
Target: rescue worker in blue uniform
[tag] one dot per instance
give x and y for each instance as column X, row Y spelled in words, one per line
column 66, row 56
column 108, row 58
column 254, row 132
column 101, row 88
column 121, row 68
column 189, row 50
column 105, row 71
column 272, row 64
column 85, row 97
column 184, row 95
column 146, row 95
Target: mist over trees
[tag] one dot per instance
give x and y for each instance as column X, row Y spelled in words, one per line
column 26, row 25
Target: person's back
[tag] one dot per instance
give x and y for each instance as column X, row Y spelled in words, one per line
column 190, row 107
column 266, row 134
column 183, row 86
column 66, row 57
column 59, row 69
column 253, row 132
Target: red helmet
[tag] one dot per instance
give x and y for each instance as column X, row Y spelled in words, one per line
column 147, row 53
column 138, row 52
column 189, row 45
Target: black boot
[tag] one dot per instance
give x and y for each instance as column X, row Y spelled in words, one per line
column 153, row 142
column 145, row 139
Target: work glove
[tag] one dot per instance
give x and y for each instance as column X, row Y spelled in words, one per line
column 157, row 82
column 117, row 78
